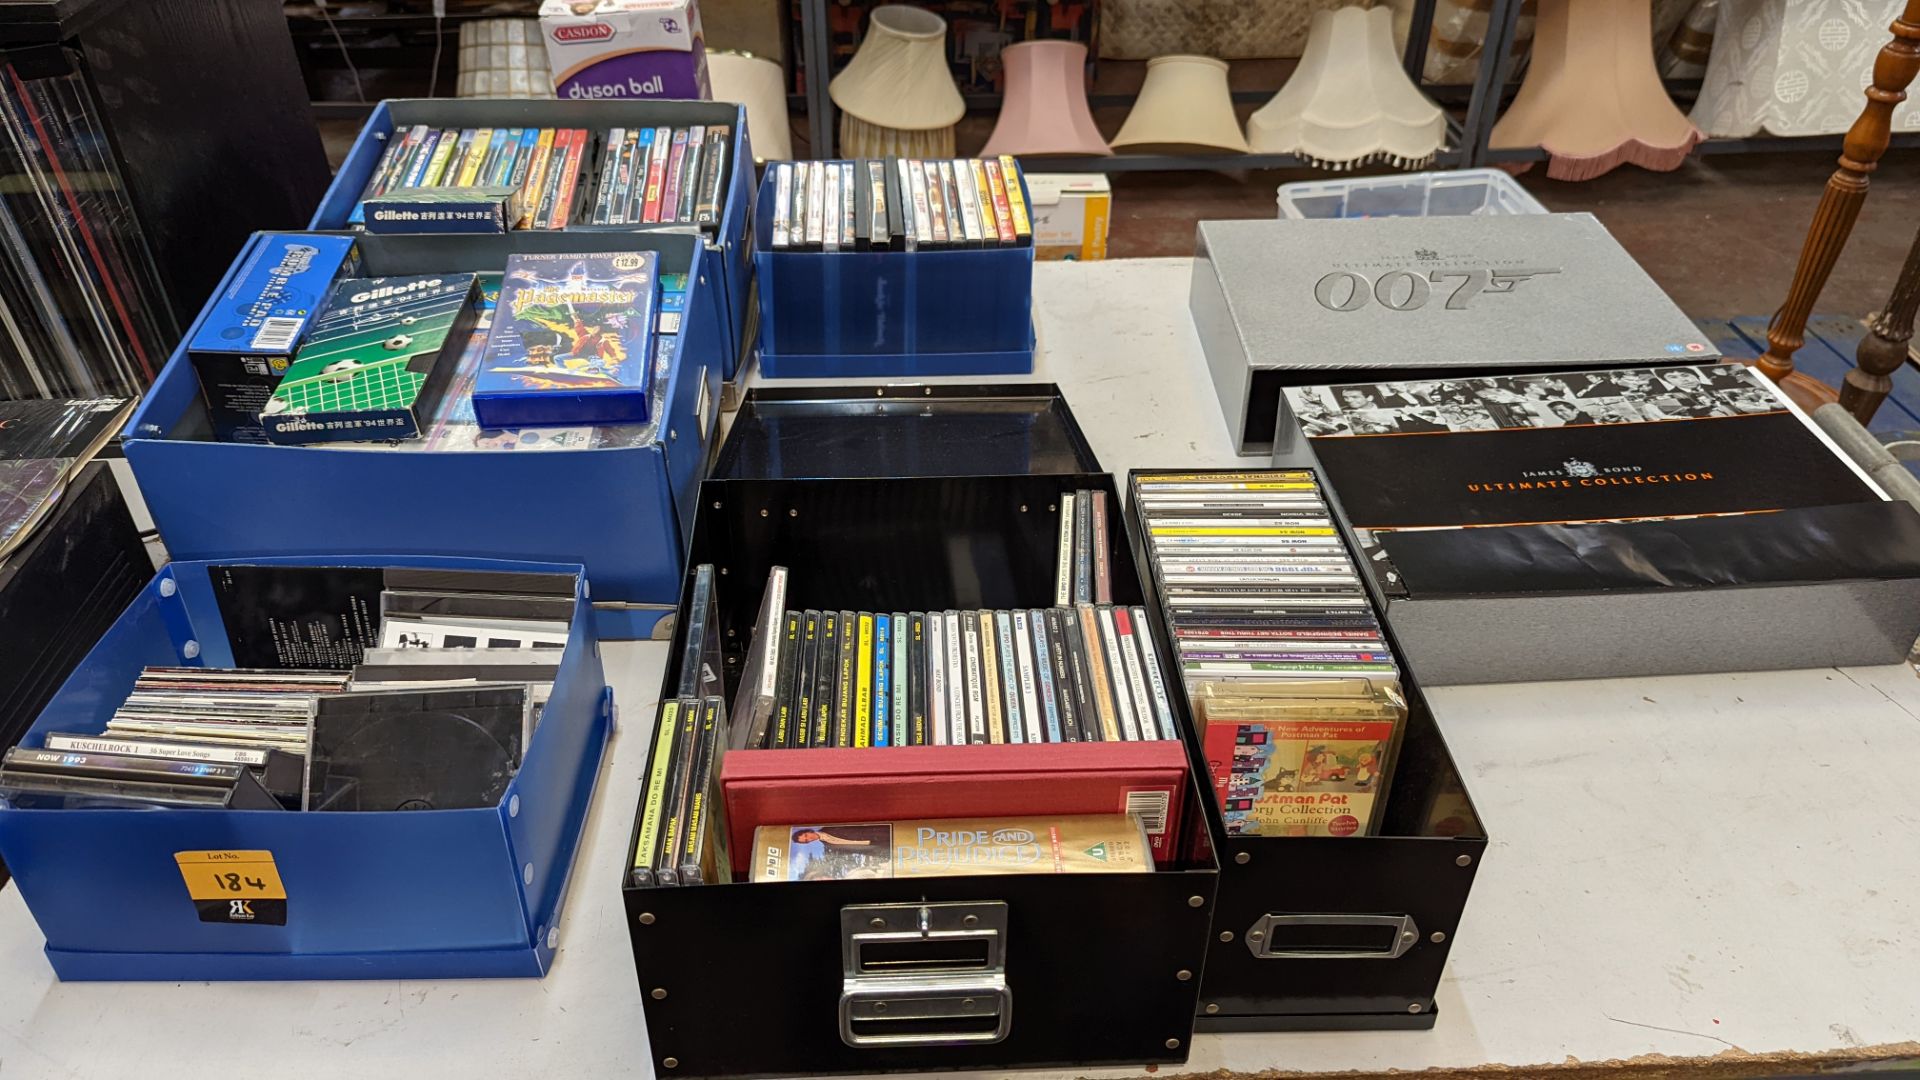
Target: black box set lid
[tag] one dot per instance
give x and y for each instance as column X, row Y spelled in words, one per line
column 1006, row 429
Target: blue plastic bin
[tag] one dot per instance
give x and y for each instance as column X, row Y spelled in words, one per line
column 876, row 314
column 725, row 263
column 430, row 894
column 624, row 513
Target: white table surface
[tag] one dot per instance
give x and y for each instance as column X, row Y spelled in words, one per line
column 1687, row 867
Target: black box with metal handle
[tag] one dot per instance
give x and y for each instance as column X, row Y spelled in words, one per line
column 1334, row 932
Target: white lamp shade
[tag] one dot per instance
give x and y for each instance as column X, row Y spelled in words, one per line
column 1044, row 109
column 1350, row 101
column 761, row 86
column 1183, row 104
column 899, row 78
column 1592, row 97
column 859, row 139
column 1796, row 68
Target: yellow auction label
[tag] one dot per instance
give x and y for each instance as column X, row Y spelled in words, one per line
column 234, row 886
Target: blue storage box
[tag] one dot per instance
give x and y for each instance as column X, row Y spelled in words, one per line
column 624, row 512
column 725, row 263
column 893, row 313
column 427, row 894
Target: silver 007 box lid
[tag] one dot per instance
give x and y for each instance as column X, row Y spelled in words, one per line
column 1282, row 303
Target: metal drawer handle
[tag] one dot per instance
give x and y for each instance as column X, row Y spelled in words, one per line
column 924, row 974
column 1286, row 937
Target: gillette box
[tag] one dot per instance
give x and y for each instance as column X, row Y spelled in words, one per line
column 626, row 49
column 376, row 361
column 246, row 339
column 490, row 210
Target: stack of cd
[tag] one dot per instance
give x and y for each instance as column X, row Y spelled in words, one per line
column 1080, row 673
column 1290, row 677
column 882, row 204
column 271, row 709
column 184, row 737
column 681, row 836
column 1083, row 574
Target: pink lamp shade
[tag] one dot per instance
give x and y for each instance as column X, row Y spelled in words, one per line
column 1044, row 110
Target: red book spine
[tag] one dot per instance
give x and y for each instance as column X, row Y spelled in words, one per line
column 657, row 173
column 569, row 179
column 859, row 784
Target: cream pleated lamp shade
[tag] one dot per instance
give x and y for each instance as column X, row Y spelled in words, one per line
column 1593, row 98
column 1350, row 103
column 761, row 86
column 1184, row 104
column 1044, row 109
column 1794, row 69
column 896, row 94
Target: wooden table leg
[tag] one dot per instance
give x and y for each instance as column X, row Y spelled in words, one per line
column 1884, row 348
column 1893, row 70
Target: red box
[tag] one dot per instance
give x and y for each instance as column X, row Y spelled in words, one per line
column 895, row 783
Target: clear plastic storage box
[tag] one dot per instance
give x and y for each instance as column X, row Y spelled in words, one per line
column 1459, row 193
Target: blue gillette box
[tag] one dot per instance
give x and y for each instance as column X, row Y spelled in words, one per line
column 248, row 335
column 571, row 342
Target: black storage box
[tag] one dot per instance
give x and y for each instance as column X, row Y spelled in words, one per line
column 1324, row 933
column 60, row 591
column 752, row 979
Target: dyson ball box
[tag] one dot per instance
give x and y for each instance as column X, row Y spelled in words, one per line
column 626, row 49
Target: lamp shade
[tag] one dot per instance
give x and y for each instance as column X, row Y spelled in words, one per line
column 1683, row 53
column 1350, row 102
column 1592, row 97
column 1793, row 69
column 1044, row 109
column 899, row 78
column 1184, row 104
column 761, row 86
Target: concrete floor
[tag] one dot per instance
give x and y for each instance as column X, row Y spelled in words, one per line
column 1721, row 234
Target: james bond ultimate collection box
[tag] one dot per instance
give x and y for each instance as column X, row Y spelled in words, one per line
column 1289, row 303
column 1601, row 524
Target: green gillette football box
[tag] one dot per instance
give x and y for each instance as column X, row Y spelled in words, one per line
column 375, row 361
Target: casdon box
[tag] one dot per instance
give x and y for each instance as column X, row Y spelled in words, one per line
column 626, row 49
column 247, row 338
column 1070, row 215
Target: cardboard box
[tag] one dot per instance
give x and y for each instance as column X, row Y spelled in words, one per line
column 626, row 49
column 248, row 336
column 1070, row 214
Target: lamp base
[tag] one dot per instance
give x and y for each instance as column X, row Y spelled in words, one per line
column 859, row 139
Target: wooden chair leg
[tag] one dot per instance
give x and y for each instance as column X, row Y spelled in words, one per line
column 1884, row 348
column 1893, row 70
